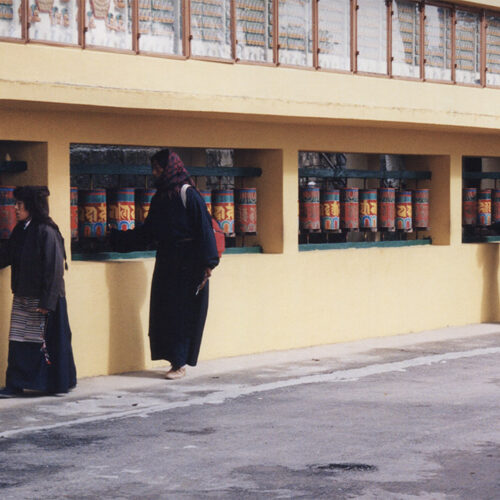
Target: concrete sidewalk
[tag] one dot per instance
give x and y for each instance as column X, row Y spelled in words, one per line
column 117, row 396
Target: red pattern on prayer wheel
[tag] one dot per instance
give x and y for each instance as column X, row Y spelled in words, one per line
column 8, row 219
column 469, row 206
column 223, row 207
column 309, row 218
column 330, row 210
column 403, row 211
column 368, row 209
column 496, row 205
column 92, row 217
column 74, row 212
column 484, row 207
column 143, row 199
column 246, row 211
column 121, row 207
column 387, row 208
column 206, row 194
column 421, row 208
column 349, row 208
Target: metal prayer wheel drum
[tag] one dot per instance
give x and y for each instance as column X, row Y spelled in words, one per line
column 368, row 209
column 309, row 209
column 92, row 213
column 387, row 209
column 121, row 209
column 330, row 210
column 206, row 194
column 484, row 207
column 246, row 211
column 349, row 208
column 469, row 206
column 496, row 205
column 8, row 219
column 223, row 210
column 421, row 208
column 143, row 199
column 74, row 212
column 403, row 211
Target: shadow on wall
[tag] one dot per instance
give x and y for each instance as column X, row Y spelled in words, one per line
column 128, row 287
column 5, row 309
column 488, row 260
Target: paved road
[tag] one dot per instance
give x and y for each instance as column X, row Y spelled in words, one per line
column 408, row 417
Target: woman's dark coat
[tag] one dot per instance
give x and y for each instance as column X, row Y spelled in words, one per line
column 186, row 246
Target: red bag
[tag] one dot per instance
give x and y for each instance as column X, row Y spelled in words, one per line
column 220, row 239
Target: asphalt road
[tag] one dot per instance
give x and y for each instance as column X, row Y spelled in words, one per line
column 403, row 418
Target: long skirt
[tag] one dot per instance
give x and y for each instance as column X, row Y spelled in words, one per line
column 45, row 363
column 177, row 313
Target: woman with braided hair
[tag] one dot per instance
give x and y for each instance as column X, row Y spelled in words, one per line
column 40, row 354
column 182, row 232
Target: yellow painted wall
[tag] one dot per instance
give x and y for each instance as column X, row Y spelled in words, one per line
column 282, row 298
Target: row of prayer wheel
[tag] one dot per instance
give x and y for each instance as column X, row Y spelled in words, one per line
column 385, row 209
column 93, row 210
column 481, row 207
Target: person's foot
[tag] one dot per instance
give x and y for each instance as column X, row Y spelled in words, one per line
column 9, row 392
column 174, row 374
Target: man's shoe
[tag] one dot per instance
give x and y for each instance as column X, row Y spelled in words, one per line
column 175, row 374
column 8, row 392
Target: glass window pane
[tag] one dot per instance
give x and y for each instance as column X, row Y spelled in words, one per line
column 493, row 50
column 295, row 32
column 334, row 34
column 109, row 23
column 54, row 21
column 372, row 36
column 160, row 26
column 437, row 43
column 10, row 19
column 211, row 28
column 406, row 39
column 468, row 42
column 254, row 30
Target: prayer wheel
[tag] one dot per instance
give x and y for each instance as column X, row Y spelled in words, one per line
column 121, row 209
column 206, row 194
column 143, row 199
column 246, row 211
column 7, row 211
column 330, row 210
column 309, row 212
column 92, row 213
column 349, row 208
column 484, row 207
column 403, row 211
column 368, row 209
column 223, row 210
column 387, row 209
column 469, row 206
column 74, row 212
column 421, row 208
column 496, row 205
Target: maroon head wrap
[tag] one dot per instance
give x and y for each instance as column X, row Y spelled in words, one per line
column 174, row 174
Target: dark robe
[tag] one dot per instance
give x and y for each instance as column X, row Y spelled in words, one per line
column 185, row 244
column 36, row 257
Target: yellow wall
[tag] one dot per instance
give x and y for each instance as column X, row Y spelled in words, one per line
column 282, row 298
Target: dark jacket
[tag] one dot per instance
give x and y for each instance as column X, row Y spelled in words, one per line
column 36, row 255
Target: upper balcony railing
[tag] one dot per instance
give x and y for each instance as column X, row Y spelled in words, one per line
column 421, row 40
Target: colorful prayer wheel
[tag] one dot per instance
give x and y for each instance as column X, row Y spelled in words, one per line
column 121, row 209
column 309, row 212
column 223, row 210
column 469, row 206
column 246, row 211
column 349, row 208
column 421, row 208
column 330, row 210
column 206, row 194
column 484, row 207
column 143, row 199
column 74, row 212
column 92, row 213
column 368, row 209
column 496, row 205
column 403, row 211
column 387, row 208
column 7, row 211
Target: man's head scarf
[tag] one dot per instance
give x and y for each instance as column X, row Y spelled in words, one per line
column 174, row 174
